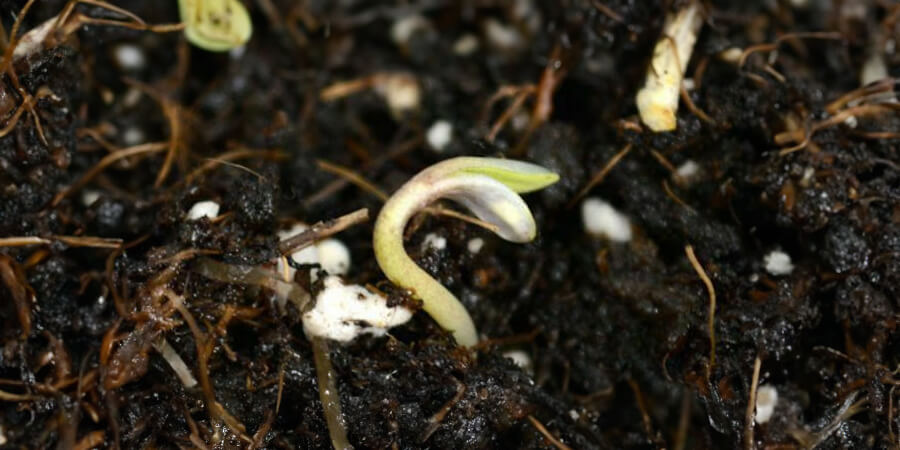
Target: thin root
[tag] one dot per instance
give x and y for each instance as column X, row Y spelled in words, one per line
column 601, row 175
column 689, row 250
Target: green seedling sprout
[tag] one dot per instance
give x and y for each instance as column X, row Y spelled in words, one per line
column 488, row 187
column 215, row 25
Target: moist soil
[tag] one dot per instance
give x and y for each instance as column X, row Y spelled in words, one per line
column 615, row 335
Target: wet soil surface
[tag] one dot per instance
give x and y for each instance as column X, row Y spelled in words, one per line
column 792, row 161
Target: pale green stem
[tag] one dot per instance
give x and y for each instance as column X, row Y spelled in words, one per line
column 486, row 186
column 437, row 301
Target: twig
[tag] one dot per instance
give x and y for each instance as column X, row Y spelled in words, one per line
column 673, row 196
column 353, row 177
column 501, row 93
column 71, row 241
column 435, row 420
column 840, row 117
column 509, row 112
column 686, row 98
column 151, row 147
column 749, row 443
column 56, row 29
column 322, row 230
column 847, row 409
column 172, row 111
column 328, row 394
column 342, row 89
column 280, row 389
column 645, row 416
column 607, row 11
column 171, row 356
column 89, row 241
column 10, row 397
column 217, row 412
column 891, row 417
column 93, row 439
column 263, row 430
column 13, row 40
column 601, row 175
column 774, row 45
column 543, row 430
column 684, row 421
column 862, row 93
column 712, row 307
column 663, row 161
column 227, row 157
column 397, row 150
column 173, row 114
column 554, row 72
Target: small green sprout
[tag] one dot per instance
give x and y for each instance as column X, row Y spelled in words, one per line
column 215, row 25
column 488, row 187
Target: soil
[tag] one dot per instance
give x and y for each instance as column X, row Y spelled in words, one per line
column 617, row 337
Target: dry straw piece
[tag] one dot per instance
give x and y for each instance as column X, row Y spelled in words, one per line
column 657, row 101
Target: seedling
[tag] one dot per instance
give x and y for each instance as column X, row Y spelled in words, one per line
column 488, row 187
column 215, row 25
column 657, row 101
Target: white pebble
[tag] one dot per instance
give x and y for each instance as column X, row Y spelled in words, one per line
column 520, row 358
column 404, row 28
column 130, row 57
column 601, row 219
column 334, row 256
column 528, row 17
column 401, row 92
column 688, row 169
column 766, row 400
column 475, row 244
column 574, row 414
column 131, row 97
column 502, row 37
column 520, row 120
column 808, row 174
column 778, row 262
column 873, row 69
column 439, row 135
column 133, row 136
column 331, row 254
column 731, row 55
column 202, row 209
column 434, row 241
column 181, row 369
column 466, row 45
column 88, row 197
column 343, row 312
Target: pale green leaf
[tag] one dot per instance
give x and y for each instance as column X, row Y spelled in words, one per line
column 519, row 176
column 215, row 25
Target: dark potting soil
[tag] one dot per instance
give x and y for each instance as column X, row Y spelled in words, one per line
column 616, row 334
